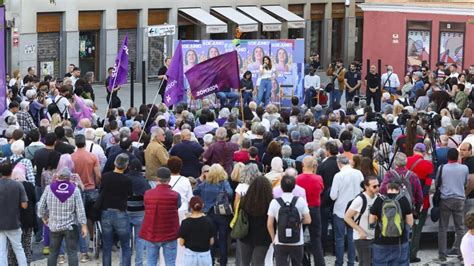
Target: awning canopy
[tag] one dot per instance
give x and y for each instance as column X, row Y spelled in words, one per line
column 269, row 23
column 294, row 21
column 213, row 24
column 245, row 23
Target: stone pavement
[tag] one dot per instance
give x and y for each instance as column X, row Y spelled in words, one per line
column 427, row 257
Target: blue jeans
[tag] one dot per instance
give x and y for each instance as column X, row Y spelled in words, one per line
column 264, row 91
column 136, row 221
column 221, row 226
column 193, row 258
column 115, row 221
column 169, row 252
column 340, row 231
column 227, row 95
column 247, row 96
column 14, row 236
column 387, row 255
column 335, row 96
column 309, row 95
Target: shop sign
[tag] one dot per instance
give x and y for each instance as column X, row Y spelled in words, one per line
column 161, row 30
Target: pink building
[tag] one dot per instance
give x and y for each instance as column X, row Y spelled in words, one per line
column 407, row 33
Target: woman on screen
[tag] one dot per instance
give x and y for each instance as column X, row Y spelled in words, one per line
column 257, row 57
column 281, row 60
column 212, row 52
column 190, row 60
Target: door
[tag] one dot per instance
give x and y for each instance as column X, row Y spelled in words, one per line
column 89, row 51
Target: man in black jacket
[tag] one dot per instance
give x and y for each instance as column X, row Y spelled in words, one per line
column 189, row 152
column 327, row 169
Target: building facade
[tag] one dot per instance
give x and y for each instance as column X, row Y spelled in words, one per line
column 407, row 33
column 87, row 33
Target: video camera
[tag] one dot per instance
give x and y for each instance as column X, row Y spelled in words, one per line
column 429, row 120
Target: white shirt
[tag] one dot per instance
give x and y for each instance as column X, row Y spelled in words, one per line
column 345, row 186
column 183, row 187
column 467, row 248
column 312, row 81
column 98, row 151
column 3, row 123
column 241, row 189
column 266, row 73
column 63, row 105
column 302, row 207
column 393, row 82
column 356, row 205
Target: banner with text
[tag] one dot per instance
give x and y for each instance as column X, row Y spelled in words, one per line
column 287, row 58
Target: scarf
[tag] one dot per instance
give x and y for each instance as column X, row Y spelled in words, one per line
column 62, row 189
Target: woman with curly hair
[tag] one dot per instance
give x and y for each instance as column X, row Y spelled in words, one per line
column 253, row 247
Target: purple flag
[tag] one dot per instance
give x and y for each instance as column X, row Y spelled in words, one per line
column 3, row 85
column 174, row 90
column 214, row 74
column 119, row 75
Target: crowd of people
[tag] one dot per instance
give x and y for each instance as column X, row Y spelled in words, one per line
column 287, row 185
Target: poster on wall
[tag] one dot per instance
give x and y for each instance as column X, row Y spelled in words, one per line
column 451, row 48
column 418, row 49
column 287, row 57
column 47, row 68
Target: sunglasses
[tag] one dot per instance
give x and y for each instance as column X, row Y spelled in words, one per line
column 375, row 186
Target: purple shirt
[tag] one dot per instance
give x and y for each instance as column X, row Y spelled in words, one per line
column 202, row 130
column 297, row 191
column 222, row 153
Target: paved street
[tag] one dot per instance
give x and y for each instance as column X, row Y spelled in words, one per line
column 427, row 255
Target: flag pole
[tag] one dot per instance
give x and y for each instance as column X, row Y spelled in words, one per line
column 242, row 106
column 149, row 111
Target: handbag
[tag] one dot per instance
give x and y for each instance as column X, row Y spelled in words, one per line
column 222, row 206
column 241, row 226
column 437, row 194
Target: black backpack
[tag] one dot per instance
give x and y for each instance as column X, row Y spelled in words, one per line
column 362, row 210
column 53, row 108
column 289, row 222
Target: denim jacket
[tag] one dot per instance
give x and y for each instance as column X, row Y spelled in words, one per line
column 208, row 192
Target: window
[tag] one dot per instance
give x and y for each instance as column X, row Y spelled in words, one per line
column 337, row 47
column 418, row 44
column 317, row 16
column 451, row 43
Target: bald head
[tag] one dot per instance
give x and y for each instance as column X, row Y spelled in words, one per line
column 308, row 164
column 186, row 134
column 465, row 150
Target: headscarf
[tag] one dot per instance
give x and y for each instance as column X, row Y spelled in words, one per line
column 62, row 188
column 19, row 173
column 277, row 164
column 65, row 161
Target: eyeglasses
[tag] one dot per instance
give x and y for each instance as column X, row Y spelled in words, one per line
column 375, row 186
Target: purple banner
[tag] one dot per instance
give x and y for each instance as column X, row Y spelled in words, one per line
column 213, row 75
column 119, row 75
column 175, row 87
column 3, row 86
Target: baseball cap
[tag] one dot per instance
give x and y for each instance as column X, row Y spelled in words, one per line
column 164, row 174
column 419, row 147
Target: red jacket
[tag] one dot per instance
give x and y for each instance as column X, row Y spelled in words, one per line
column 424, row 170
column 161, row 221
